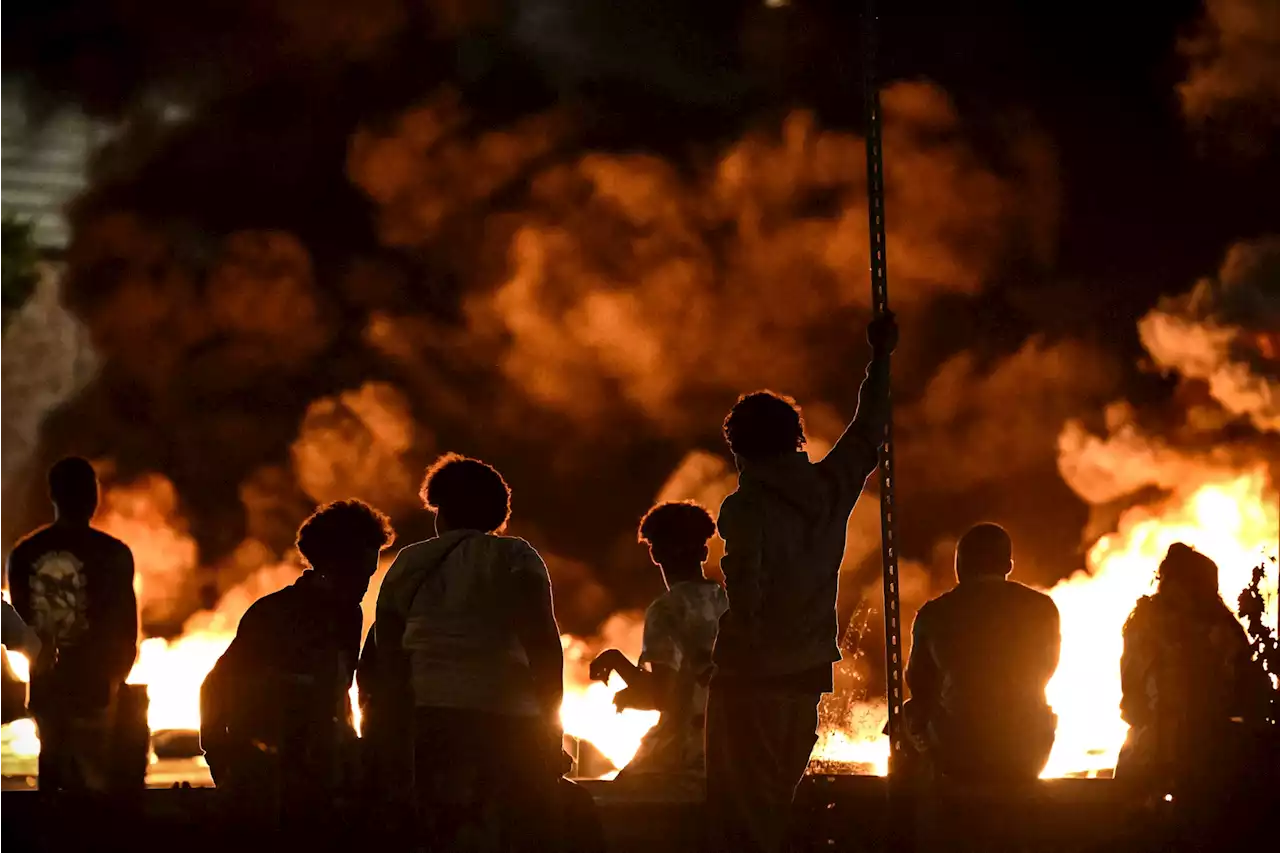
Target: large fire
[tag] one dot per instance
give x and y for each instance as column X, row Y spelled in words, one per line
column 1234, row 521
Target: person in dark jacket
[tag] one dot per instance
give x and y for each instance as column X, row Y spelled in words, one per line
column 1195, row 700
column 981, row 658
column 275, row 717
column 74, row 586
column 784, row 530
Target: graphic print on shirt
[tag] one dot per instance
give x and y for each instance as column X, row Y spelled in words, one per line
column 60, row 597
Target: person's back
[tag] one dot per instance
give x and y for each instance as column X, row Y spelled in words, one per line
column 981, row 658
column 469, row 662
column 784, row 530
column 73, row 585
column 1196, row 704
column 1189, row 684
column 463, row 651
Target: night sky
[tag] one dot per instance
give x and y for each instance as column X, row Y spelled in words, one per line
column 1147, row 202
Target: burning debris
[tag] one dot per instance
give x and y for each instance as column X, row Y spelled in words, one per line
column 522, row 289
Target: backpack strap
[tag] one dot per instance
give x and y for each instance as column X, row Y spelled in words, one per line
column 431, row 571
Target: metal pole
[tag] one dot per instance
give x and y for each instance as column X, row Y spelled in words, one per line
column 880, row 305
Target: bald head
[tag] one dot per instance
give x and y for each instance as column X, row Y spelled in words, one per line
column 984, row 551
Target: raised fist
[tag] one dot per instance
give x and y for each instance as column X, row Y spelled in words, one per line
column 882, row 333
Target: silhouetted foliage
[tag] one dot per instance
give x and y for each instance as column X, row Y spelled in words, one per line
column 1262, row 637
column 20, row 275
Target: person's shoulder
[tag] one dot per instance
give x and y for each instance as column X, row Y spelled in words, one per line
column 515, row 545
column 934, row 606
column 415, row 550
column 1034, row 597
column 1031, row 602
column 738, row 504
column 516, row 554
column 33, row 541
column 660, row 606
column 271, row 604
column 109, row 543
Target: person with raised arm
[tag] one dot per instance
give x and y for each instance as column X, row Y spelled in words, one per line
column 784, row 530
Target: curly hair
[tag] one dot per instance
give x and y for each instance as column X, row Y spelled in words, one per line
column 763, row 424
column 677, row 523
column 342, row 528
column 467, row 493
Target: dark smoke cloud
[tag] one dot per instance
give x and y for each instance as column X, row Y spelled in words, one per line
column 114, row 56
column 328, row 272
column 620, row 283
column 1218, row 342
column 979, row 424
column 1233, row 75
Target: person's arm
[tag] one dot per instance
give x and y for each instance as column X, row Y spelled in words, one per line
column 610, row 661
column 120, row 615
column 1052, row 647
column 922, row 670
column 1137, row 659
column 230, row 681
column 661, row 656
column 366, row 669
column 19, row 636
column 533, row 616
column 19, row 585
column 857, row 452
column 742, row 529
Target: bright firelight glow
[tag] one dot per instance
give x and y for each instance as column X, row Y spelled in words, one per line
column 1234, row 521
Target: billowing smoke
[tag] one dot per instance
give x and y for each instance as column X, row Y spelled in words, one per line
column 1218, row 340
column 621, row 284
column 1226, row 333
column 46, row 360
column 1233, row 77
column 346, row 257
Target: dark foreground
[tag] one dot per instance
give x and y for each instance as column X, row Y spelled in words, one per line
column 834, row 813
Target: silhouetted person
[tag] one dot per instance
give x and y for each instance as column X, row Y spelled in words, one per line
column 74, row 586
column 275, row 717
column 981, row 657
column 784, row 532
column 467, row 639
column 675, row 662
column 1193, row 697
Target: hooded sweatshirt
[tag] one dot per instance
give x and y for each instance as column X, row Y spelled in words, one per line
column 467, row 618
column 784, row 532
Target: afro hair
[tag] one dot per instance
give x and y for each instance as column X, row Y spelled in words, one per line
column 683, row 524
column 764, row 424
column 467, row 493
column 341, row 528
